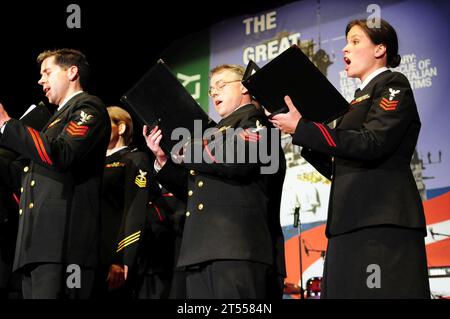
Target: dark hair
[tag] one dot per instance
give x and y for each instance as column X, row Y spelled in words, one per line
column 384, row 34
column 67, row 58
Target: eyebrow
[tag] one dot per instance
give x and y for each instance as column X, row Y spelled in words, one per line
column 45, row 70
column 354, row 35
column 218, row 81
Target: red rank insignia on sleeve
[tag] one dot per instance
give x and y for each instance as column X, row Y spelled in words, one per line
column 388, row 105
column 75, row 130
column 249, row 136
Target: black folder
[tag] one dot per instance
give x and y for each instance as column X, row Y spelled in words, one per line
column 292, row 73
column 36, row 116
column 158, row 98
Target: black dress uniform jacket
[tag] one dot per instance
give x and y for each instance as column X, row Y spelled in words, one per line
column 232, row 209
column 8, row 225
column 124, row 194
column 135, row 229
column 59, row 206
column 372, row 147
column 8, row 219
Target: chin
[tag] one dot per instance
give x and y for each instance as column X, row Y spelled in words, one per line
column 51, row 100
column 350, row 74
column 220, row 112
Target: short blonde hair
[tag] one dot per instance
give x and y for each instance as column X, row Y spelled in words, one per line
column 235, row 68
column 118, row 115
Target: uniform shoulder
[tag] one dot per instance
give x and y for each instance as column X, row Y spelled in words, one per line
column 255, row 117
column 258, row 119
column 137, row 157
column 392, row 81
column 85, row 96
column 396, row 77
column 86, row 99
column 90, row 105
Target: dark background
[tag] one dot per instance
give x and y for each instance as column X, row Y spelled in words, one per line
column 121, row 39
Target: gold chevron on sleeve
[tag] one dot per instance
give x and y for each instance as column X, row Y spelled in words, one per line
column 128, row 240
column 141, row 180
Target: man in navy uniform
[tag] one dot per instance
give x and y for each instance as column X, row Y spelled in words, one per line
column 59, row 205
column 35, row 117
column 232, row 245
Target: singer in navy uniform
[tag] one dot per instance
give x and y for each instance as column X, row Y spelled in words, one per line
column 376, row 223
column 137, row 244
column 59, row 207
column 232, row 245
column 10, row 179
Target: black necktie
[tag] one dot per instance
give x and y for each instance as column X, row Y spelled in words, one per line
column 357, row 92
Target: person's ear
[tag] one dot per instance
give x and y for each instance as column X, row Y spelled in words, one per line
column 72, row 72
column 244, row 89
column 122, row 128
column 380, row 50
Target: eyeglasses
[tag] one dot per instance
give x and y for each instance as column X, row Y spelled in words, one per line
column 219, row 87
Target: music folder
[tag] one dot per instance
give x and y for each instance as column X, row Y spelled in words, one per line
column 158, row 98
column 36, row 116
column 292, row 73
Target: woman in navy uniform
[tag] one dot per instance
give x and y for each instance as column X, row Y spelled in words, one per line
column 137, row 244
column 376, row 223
column 232, row 245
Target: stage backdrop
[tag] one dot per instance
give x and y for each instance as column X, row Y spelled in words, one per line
column 318, row 27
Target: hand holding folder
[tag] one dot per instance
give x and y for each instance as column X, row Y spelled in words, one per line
column 286, row 122
column 159, row 99
column 36, row 116
column 293, row 74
